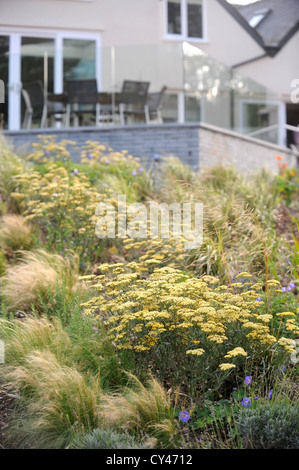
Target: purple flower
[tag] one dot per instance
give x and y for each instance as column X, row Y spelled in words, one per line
column 107, row 162
column 256, row 398
column 284, row 289
column 140, row 169
column 46, row 151
column 76, row 171
column 292, row 285
column 289, row 288
column 134, row 173
column 259, row 299
column 184, row 416
column 90, row 156
column 270, row 393
column 234, row 388
column 246, row 402
column 248, row 380
column 283, row 368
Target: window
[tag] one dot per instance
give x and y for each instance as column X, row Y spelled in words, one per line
column 258, row 17
column 68, row 55
column 194, row 14
column 184, row 19
column 174, row 17
column 255, row 20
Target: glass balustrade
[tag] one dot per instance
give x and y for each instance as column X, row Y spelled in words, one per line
column 198, row 88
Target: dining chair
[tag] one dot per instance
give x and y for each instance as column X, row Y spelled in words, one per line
column 38, row 107
column 82, row 98
column 154, row 106
column 133, row 100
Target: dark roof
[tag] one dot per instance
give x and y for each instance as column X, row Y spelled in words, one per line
column 279, row 24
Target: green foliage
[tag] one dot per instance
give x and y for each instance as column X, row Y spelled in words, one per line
column 210, row 413
column 2, row 263
column 270, row 426
column 287, row 183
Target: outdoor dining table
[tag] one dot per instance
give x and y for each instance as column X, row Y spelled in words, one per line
column 104, row 97
column 108, row 104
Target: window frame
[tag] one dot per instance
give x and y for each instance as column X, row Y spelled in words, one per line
column 184, row 24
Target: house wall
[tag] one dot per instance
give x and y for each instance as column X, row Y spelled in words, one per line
column 121, row 22
column 278, row 72
column 128, row 22
column 227, row 41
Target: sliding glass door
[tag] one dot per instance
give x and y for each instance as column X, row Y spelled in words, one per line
column 37, row 59
column 51, row 59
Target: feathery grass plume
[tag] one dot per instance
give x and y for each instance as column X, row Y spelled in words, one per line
column 34, row 334
column 62, row 402
column 174, row 179
column 234, row 240
column 36, row 279
column 145, row 409
column 15, row 233
column 10, row 166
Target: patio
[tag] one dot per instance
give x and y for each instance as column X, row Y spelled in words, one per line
column 198, row 89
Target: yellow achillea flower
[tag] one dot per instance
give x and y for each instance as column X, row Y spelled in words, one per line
column 244, row 274
column 286, row 314
column 148, row 306
column 226, row 366
column 195, row 352
column 236, row 352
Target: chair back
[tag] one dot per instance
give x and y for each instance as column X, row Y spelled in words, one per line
column 134, row 93
column 82, row 91
column 154, row 100
column 35, row 92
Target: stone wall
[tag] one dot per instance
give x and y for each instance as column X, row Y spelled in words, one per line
column 246, row 153
column 198, row 145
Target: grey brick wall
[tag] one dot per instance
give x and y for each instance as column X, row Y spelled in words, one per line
column 144, row 141
column 198, row 145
